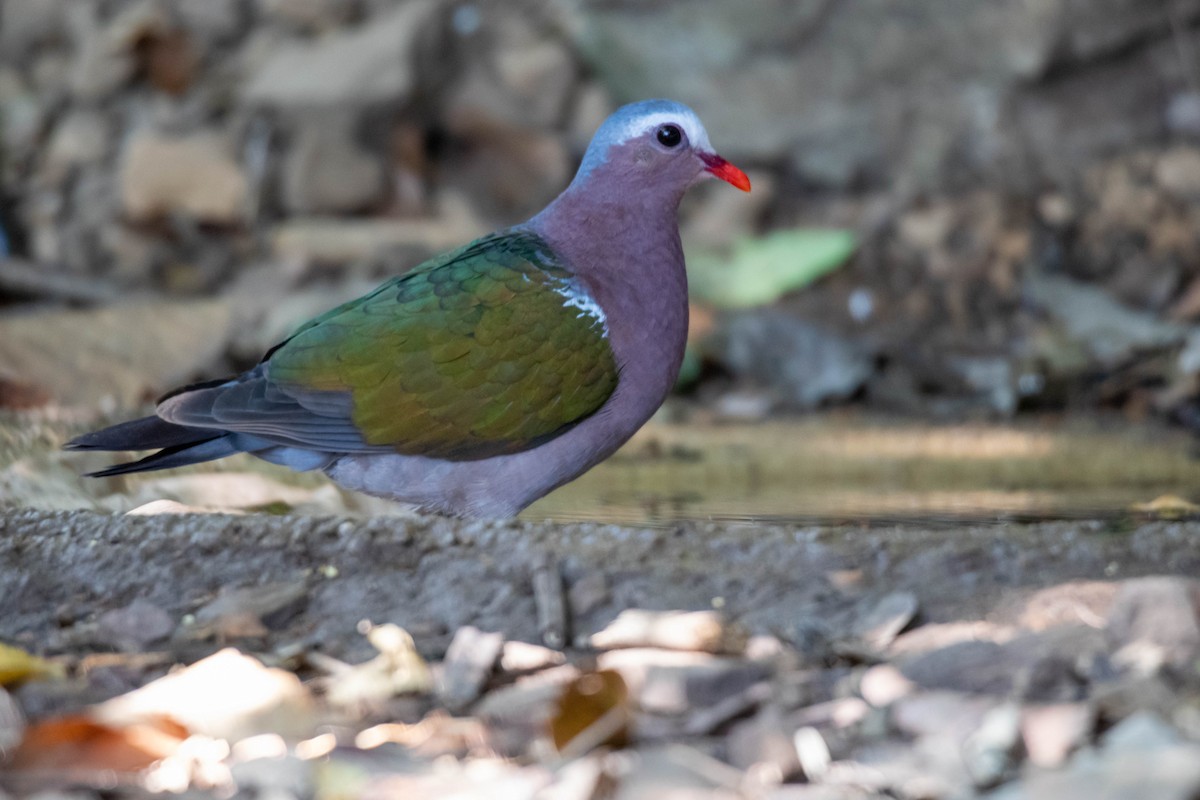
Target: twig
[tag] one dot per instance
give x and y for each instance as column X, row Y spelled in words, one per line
column 24, row 278
column 550, row 601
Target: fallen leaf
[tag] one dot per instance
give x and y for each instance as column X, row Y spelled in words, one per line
column 17, row 666
column 1167, row 506
column 592, row 711
column 760, row 270
column 80, row 745
column 226, row 696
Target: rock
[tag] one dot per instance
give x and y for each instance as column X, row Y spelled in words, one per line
column 193, row 175
column 883, row 684
column 1111, row 332
column 674, row 682
column 309, row 15
column 135, row 626
column 1164, row 772
column 258, row 608
column 513, row 71
column 1068, row 603
column 991, row 752
column 1052, row 732
column 1142, row 731
column 857, row 127
column 806, row 365
column 992, row 377
column 373, row 63
column 587, row 594
column 212, row 20
column 525, row 657
column 508, row 173
column 333, row 241
column 468, row 665
column 79, row 138
column 1157, row 621
column 128, row 354
column 325, row 172
column 29, row 24
column 940, row 711
column 104, row 54
column 1178, row 172
column 699, row 631
column 879, row 623
column 227, row 695
column 1047, row 666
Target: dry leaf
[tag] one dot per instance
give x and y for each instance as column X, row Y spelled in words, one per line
column 592, row 711
column 1167, row 506
column 81, row 745
column 17, row 666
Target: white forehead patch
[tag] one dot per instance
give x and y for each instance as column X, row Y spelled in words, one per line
column 688, row 122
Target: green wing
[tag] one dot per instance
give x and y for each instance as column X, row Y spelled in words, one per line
column 487, row 350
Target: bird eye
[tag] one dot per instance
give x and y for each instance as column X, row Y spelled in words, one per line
column 669, row 136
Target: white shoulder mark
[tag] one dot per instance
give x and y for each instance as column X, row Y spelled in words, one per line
column 685, row 119
column 577, row 298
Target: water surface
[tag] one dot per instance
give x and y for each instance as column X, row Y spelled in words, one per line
column 845, row 468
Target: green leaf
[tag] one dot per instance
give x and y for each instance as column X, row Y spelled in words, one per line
column 761, row 269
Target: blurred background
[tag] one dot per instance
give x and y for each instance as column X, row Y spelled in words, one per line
column 963, row 213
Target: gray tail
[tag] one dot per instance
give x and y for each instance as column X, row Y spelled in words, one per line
column 178, row 445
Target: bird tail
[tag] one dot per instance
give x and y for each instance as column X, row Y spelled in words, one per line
column 177, row 445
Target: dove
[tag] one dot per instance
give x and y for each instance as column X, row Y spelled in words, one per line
column 485, row 377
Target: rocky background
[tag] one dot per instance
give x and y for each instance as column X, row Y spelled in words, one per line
column 185, row 180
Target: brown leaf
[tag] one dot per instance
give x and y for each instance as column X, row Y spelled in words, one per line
column 81, row 745
column 168, row 60
column 592, row 711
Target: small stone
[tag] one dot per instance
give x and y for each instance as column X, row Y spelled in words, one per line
column 326, row 173
column 371, row 63
column 469, row 662
column 813, row 752
column 324, row 240
column 269, row 605
column 310, row 15
column 81, row 137
column 193, row 175
column 990, row 752
column 879, row 623
column 804, row 365
column 1052, row 732
column 588, row 593
column 1142, row 731
column 129, row 353
column 1178, row 172
column 937, row 712
column 525, row 657
column 135, row 626
column 676, row 682
column 700, row 631
column 1156, row 619
column 883, row 685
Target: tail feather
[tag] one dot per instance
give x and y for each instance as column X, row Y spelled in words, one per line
column 175, row 456
column 147, row 433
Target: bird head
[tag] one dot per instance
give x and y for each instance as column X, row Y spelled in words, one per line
column 658, row 141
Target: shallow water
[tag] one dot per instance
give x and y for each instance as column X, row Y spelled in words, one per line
column 829, row 468
column 845, row 468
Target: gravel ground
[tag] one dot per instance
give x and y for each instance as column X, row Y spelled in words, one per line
column 1054, row 659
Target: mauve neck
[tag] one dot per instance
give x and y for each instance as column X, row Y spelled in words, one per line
column 597, row 224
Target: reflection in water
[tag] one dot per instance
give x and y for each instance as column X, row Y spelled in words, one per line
column 835, row 468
